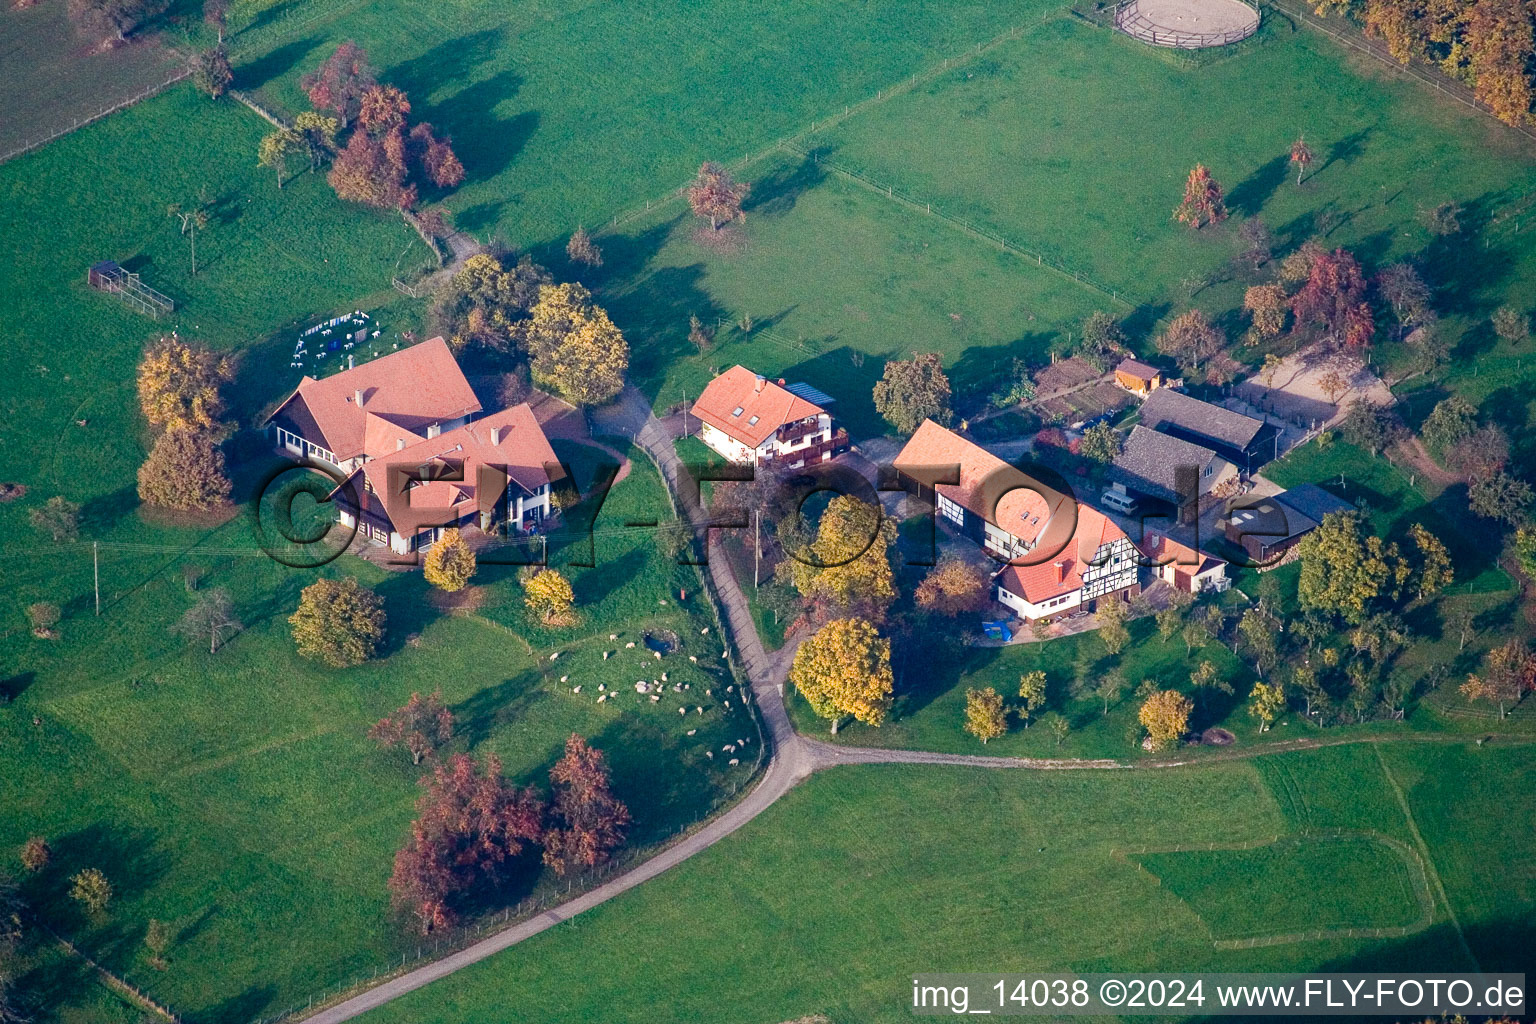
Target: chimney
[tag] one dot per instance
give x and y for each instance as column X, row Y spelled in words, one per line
column 761, row 380
column 434, row 430
column 495, row 436
column 399, row 444
column 357, row 396
column 349, row 366
column 1061, row 572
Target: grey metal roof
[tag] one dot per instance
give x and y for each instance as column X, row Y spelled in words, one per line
column 1312, row 501
column 800, row 389
column 1149, row 459
column 1171, row 407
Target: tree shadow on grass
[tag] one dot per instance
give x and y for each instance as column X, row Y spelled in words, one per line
column 485, row 143
column 103, row 512
column 486, row 710
column 246, row 1006
column 1250, row 195
column 776, row 193
column 407, row 609
column 274, row 63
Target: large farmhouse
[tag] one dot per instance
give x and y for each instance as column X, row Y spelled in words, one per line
column 1245, row 442
column 752, row 420
column 1063, row 556
column 402, row 430
column 1168, row 468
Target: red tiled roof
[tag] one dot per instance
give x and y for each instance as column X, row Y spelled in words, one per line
column 1162, row 550
column 1062, row 574
column 989, row 487
column 409, row 389
column 755, row 396
column 520, row 449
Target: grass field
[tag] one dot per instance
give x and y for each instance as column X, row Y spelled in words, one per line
column 888, row 871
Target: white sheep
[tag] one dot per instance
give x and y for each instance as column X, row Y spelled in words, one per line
column 613, row 636
column 629, row 645
column 724, row 653
column 727, row 704
column 735, row 760
column 565, row 679
column 728, row 749
column 687, row 686
column 709, row 754
column 658, row 655
column 730, row 688
column 640, row 687
column 655, row 698
column 682, row 711
column 663, row 677
column 703, row 631
column 605, row 655
column 602, row 686
column 602, row 697
column 575, row 689
column 691, row 731
column 699, row 710
column 693, row 658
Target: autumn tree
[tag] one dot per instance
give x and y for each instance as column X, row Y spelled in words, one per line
column 1301, row 157
column 1267, row 304
column 1525, row 551
column 848, row 567
column 340, row 83
column 1334, row 385
column 1434, row 571
column 985, row 717
column 487, row 301
column 179, row 385
column 382, row 109
column 588, row 821
column 581, row 249
column 420, row 725
column 58, row 518
column 372, row 171
column 338, row 621
column 1334, row 298
column 43, row 616
column 184, row 472
column 574, row 350
column 1191, row 339
column 469, row 824
column 1508, row 672
column 1346, row 571
column 1406, row 292
column 211, row 71
column 1203, row 200
column 845, row 669
column 1266, row 703
column 913, row 390
column 277, row 148
column 1500, row 45
column 1111, row 615
column 1058, row 725
column 549, row 595
column 211, row 618
column 318, row 133
column 1369, row 426
column 1258, row 243
column 1165, row 716
column 450, row 563
column 435, row 157
column 35, row 854
column 953, row 587
column 1481, row 453
column 714, row 194
column 91, row 889
column 114, row 19
column 1511, row 325
column 1032, row 686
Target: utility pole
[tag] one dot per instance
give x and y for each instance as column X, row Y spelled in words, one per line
column 96, row 571
column 757, row 544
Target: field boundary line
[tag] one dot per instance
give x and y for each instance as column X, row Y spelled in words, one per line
column 1411, row 859
column 122, row 986
column 82, row 122
column 1429, row 863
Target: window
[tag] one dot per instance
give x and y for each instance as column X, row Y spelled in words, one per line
column 736, row 411
column 753, row 421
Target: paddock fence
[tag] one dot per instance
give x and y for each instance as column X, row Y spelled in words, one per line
column 80, row 122
column 1129, row 19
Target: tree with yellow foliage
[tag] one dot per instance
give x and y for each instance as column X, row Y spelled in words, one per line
column 339, row 622
column 984, row 715
column 1268, row 305
column 952, row 587
column 1266, row 704
column 1435, row 570
column 848, row 567
column 179, row 384
column 1165, row 715
column 549, row 594
column 449, row 563
column 1508, row 672
column 574, row 350
column 845, row 669
column 1032, row 693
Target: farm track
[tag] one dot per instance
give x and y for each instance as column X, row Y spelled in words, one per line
column 793, row 757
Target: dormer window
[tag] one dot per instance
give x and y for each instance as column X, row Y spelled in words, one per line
column 736, row 411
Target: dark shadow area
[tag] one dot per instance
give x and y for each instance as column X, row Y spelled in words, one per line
column 1250, row 195
column 776, row 193
column 407, row 609
column 477, row 717
column 246, row 1006
column 101, row 513
column 15, row 686
column 275, row 63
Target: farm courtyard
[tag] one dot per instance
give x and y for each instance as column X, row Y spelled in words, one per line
column 966, row 179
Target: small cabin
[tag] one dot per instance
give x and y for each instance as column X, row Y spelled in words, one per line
column 1138, row 378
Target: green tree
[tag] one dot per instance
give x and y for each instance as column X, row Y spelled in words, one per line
column 1345, row 571
column 1207, row 676
column 1450, row 422
column 487, row 302
column 1500, row 497
column 845, row 669
column 1110, row 688
column 276, row 148
column 1258, row 630
column 1111, row 616
column 1169, row 621
column 1511, row 325
column 1369, row 426
column 984, row 715
column 1266, row 704
column 1525, row 551
column 318, row 133
column 1102, row 337
column 58, row 517
column 157, row 939
column 913, row 390
column 1101, row 443
column 338, row 621
column 1058, row 726
column 91, row 890
column 211, row 71
column 450, row 563
column 1031, row 693
column 1435, row 571
column 192, row 218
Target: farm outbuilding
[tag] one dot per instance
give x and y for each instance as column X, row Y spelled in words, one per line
column 109, row 276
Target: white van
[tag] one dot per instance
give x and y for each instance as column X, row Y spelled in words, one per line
column 1118, row 500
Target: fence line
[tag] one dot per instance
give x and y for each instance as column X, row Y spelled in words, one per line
column 79, row 123
column 115, row 982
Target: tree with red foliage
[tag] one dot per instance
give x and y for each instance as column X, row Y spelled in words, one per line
column 422, row 725
column 382, row 110
column 1203, row 202
column 590, row 820
column 469, row 823
column 372, row 171
column 340, row 83
column 1334, row 298
column 713, row 193
column 435, row 157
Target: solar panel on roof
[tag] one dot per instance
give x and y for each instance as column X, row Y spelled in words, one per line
column 802, row 390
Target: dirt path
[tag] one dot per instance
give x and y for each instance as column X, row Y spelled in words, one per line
column 1412, row 452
